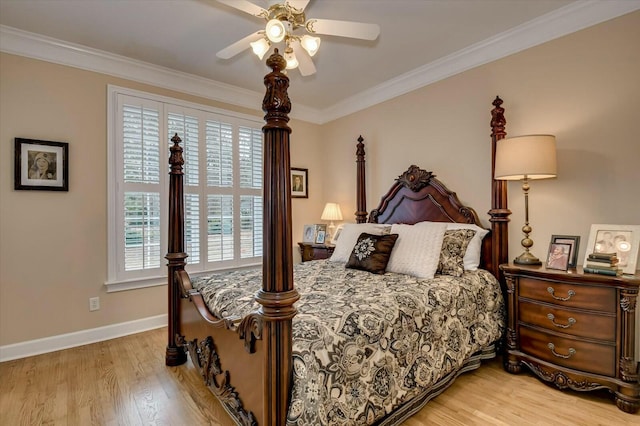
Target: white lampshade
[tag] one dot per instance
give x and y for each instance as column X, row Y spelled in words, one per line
column 532, row 156
column 331, row 212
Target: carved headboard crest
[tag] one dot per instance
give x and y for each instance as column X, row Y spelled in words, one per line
column 415, row 178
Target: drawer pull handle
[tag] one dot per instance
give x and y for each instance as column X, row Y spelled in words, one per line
column 570, row 294
column 572, row 352
column 571, row 320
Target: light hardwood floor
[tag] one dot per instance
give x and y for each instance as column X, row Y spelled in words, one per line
column 125, row 382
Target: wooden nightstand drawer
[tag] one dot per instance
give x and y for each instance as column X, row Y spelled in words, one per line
column 576, row 323
column 572, row 353
column 570, row 295
column 574, row 330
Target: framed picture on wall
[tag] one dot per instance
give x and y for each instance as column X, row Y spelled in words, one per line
column 41, row 165
column 299, row 183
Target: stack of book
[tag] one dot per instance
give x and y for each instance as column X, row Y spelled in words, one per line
column 602, row 263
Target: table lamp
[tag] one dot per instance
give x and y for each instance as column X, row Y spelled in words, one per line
column 525, row 158
column 331, row 212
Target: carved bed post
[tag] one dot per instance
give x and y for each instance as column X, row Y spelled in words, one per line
column 278, row 293
column 361, row 189
column 499, row 212
column 175, row 355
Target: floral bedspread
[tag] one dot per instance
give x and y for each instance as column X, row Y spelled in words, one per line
column 363, row 344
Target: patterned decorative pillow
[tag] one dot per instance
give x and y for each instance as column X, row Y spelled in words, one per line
column 371, row 252
column 454, row 246
column 349, row 236
column 474, row 249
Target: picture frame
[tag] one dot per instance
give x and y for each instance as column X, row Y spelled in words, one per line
column 336, row 233
column 320, row 233
column 299, row 183
column 558, row 256
column 309, row 234
column 623, row 240
column 574, row 241
column 41, row 165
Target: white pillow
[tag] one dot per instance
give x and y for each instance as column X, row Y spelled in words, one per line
column 349, row 237
column 417, row 249
column 472, row 255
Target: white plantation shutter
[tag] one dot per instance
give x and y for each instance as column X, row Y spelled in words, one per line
column 223, row 203
column 250, row 147
column 219, row 154
column 250, row 226
column 141, row 230
column 220, row 235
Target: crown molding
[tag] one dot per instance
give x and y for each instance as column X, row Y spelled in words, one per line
column 566, row 20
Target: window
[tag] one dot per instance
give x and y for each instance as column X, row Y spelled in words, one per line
column 222, row 187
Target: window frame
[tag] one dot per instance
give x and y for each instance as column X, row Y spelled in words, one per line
column 117, row 278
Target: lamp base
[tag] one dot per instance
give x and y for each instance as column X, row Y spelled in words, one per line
column 527, row 258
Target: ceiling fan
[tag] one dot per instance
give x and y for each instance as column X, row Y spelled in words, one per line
column 283, row 18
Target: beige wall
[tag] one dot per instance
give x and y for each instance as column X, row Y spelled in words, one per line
column 53, row 246
column 583, row 88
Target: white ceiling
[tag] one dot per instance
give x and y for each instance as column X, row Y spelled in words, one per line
column 420, row 41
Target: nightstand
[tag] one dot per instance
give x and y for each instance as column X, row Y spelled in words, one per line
column 574, row 330
column 311, row 251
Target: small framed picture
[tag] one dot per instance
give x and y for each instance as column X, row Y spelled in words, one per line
column 309, row 234
column 574, row 242
column 41, row 165
column 320, row 237
column 336, row 234
column 558, row 257
column 299, row 183
column 623, row 240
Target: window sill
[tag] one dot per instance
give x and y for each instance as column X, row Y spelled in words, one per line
column 115, row 286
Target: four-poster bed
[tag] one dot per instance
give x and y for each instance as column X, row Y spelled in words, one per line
column 248, row 356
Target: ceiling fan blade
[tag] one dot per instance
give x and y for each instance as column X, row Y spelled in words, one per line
column 240, row 45
column 305, row 63
column 343, row 28
column 298, row 4
column 246, row 6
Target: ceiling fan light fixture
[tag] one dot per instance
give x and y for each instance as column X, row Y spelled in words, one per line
column 275, row 30
column 290, row 57
column 260, row 47
column 310, row 44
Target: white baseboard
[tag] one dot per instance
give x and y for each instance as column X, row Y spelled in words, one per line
column 80, row 338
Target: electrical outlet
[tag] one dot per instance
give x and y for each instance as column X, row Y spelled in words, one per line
column 94, row 303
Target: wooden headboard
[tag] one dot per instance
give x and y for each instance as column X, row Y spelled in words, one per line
column 418, row 196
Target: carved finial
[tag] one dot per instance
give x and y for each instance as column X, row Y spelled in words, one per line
column 360, row 148
column 276, row 103
column 276, row 62
column 175, row 159
column 498, row 122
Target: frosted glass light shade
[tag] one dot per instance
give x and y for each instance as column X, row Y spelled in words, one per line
column 310, row 44
column 275, row 30
column 331, row 212
column 260, row 47
column 532, row 156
